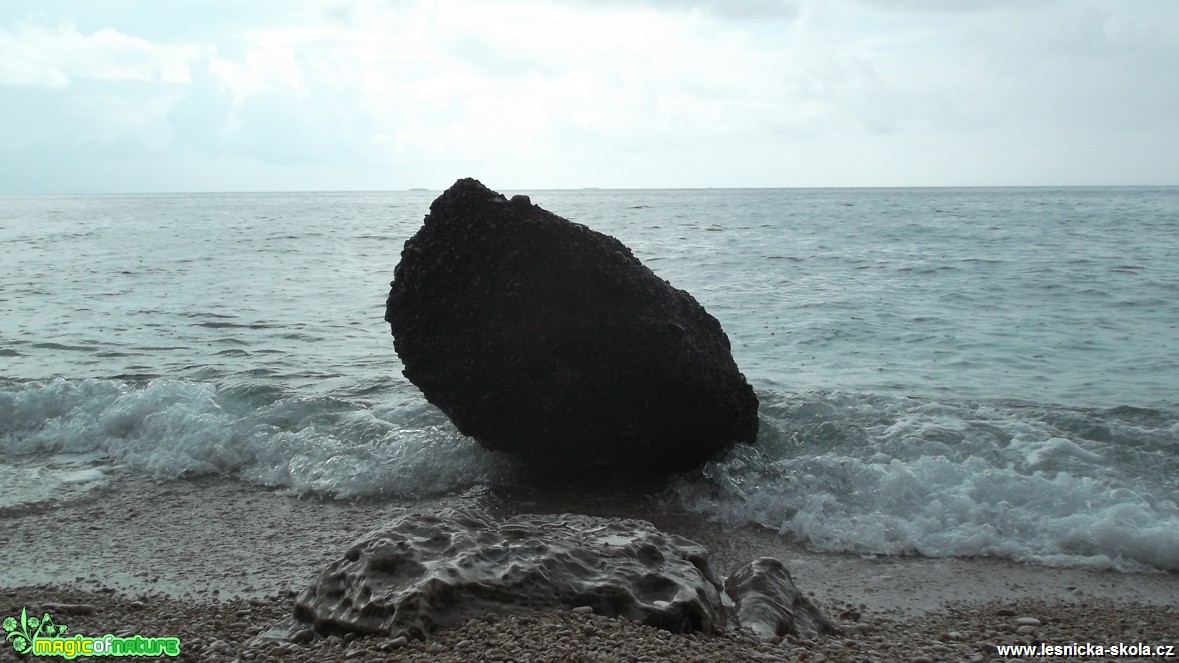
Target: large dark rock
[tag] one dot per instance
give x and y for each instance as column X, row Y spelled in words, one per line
column 428, row 571
column 551, row 341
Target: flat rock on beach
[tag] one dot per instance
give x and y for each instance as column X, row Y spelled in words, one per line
column 425, row 571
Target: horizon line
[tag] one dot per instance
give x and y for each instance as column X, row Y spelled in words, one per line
column 588, row 188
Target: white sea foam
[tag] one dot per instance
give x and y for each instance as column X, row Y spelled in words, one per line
column 943, row 480
column 174, row 429
column 1056, row 449
column 62, row 477
column 79, row 477
column 836, row 471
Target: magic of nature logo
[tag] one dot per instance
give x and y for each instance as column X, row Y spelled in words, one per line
column 42, row 636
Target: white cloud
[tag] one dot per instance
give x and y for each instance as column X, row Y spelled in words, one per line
column 627, row 92
column 51, row 57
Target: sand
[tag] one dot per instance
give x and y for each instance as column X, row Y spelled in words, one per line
column 216, row 563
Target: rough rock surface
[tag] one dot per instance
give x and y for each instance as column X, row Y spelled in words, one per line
column 768, row 603
column 548, row 340
column 430, row 571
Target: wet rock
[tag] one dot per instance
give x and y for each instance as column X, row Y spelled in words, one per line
column 70, row 608
column 770, row 605
column 550, row 341
column 429, row 571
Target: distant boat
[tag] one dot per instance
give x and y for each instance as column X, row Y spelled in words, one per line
column 418, row 188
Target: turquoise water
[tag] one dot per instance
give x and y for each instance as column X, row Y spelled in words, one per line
column 942, row 371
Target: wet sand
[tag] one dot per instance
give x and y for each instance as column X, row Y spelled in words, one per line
column 216, row 562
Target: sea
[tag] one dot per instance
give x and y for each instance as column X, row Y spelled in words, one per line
column 943, row 372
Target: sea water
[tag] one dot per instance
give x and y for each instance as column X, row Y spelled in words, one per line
column 943, row 372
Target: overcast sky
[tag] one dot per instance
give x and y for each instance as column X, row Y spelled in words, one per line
column 216, row 95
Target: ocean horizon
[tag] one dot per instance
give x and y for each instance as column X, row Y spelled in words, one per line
column 527, row 189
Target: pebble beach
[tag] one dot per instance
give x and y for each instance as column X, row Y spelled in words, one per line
column 226, row 631
column 217, row 563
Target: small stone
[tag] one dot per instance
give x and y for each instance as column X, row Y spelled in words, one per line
column 582, row 610
column 1027, row 621
column 767, row 602
column 1026, row 630
column 70, row 608
column 1005, row 612
column 399, row 642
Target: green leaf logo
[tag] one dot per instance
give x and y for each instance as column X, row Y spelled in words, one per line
column 23, row 631
column 18, row 632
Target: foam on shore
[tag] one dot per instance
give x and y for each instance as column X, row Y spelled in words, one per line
column 833, row 471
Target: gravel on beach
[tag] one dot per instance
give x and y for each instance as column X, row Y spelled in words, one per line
column 224, row 560
column 225, row 631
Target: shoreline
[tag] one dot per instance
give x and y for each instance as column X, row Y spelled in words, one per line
column 222, row 559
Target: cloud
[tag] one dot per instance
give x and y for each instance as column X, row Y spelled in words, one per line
column 942, row 6
column 384, row 93
column 455, row 79
column 277, row 121
column 1091, row 68
column 35, row 55
column 725, row 9
column 104, row 93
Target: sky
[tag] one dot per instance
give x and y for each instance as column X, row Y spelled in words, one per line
column 286, row 95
